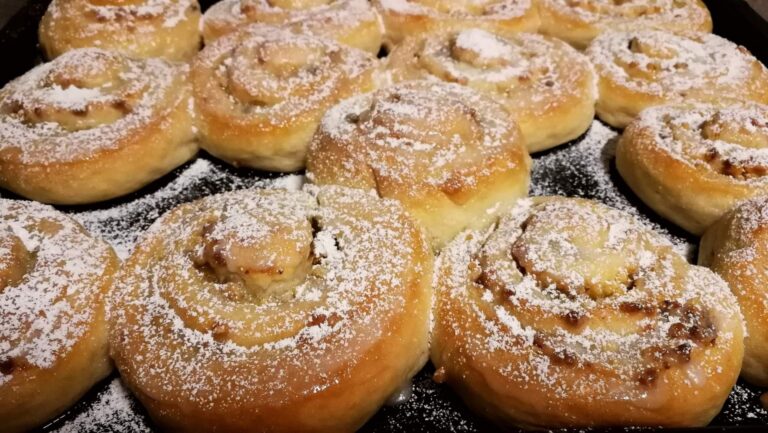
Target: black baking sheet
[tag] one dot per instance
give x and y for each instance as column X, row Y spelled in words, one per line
column 582, row 168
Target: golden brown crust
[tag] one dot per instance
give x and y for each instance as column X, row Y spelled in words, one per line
column 548, row 87
column 448, row 153
column 93, row 125
column 736, row 247
column 578, row 22
column 405, row 18
column 644, row 68
column 138, row 28
column 54, row 280
column 572, row 314
column 273, row 311
column 693, row 163
column 349, row 22
column 260, row 93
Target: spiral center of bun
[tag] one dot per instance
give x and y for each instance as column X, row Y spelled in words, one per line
column 556, row 249
column 298, row 4
column 266, row 261
column 407, row 118
column 78, row 91
column 481, row 49
column 265, row 72
column 15, row 259
column 748, row 133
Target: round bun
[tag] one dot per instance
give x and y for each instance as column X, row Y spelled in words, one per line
column 93, row 125
column 261, row 92
column 349, row 22
column 452, row 156
column 138, row 28
column 736, row 247
column 547, row 86
column 693, row 163
column 404, row 18
column 579, row 22
column 54, row 279
column 273, row 311
column 641, row 69
column 573, row 314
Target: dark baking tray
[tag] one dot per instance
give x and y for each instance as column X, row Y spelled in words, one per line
column 582, row 168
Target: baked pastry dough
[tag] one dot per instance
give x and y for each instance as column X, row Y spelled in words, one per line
column 260, row 93
column 451, row 155
column 640, row 69
column 93, row 125
column 548, row 87
column 573, row 314
column 350, row 22
column 580, row 21
column 736, row 247
column 54, row 279
column 404, row 18
column 137, row 28
column 693, row 163
column 268, row 310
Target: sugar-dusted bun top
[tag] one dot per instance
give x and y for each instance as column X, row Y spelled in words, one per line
column 728, row 141
column 492, row 9
column 274, row 74
column 585, row 297
column 85, row 102
column 677, row 66
column 284, row 291
column 425, row 135
column 53, row 282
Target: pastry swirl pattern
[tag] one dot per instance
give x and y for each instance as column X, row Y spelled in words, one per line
column 569, row 313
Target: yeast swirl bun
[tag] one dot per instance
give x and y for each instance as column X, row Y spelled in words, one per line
column 693, row 163
column 54, row 279
column 404, row 18
column 572, row 314
column 93, row 125
column 641, row 69
column 261, row 92
column 273, row 311
column 451, row 155
column 350, row 22
column 578, row 22
column 137, row 28
column 736, row 247
column 547, row 86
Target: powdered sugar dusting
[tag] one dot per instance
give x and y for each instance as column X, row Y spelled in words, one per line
column 44, row 114
column 674, row 66
column 53, row 303
column 570, row 260
column 344, row 298
column 114, row 408
column 728, row 141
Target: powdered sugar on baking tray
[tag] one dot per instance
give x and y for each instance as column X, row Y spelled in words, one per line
column 114, row 409
column 52, row 306
column 122, row 224
column 585, row 169
column 672, row 66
